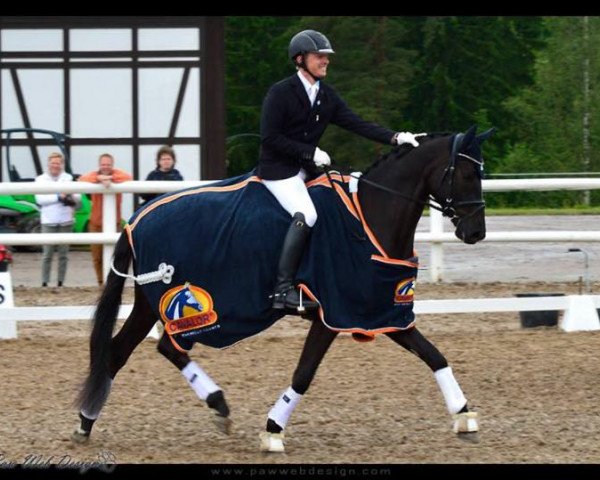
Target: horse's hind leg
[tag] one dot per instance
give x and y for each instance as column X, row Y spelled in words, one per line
column 317, row 343
column 465, row 422
column 134, row 331
column 200, row 382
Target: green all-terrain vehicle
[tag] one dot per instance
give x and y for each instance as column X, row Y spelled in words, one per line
column 20, row 213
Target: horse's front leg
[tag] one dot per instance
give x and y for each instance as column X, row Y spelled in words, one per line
column 317, row 343
column 466, row 423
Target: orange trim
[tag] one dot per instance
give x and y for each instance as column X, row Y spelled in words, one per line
column 392, row 261
column 229, row 188
column 323, row 180
column 372, row 333
column 318, row 181
column 346, row 200
column 368, row 231
column 129, row 236
column 182, row 350
column 362, row 338
column 362, row 331
column 357, row 213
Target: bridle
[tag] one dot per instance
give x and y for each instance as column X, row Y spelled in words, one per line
column 449, row 206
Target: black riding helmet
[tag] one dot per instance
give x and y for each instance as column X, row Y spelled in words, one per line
column 308, row 41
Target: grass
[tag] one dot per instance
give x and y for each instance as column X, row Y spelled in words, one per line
column 544, row 211
column 540, row 211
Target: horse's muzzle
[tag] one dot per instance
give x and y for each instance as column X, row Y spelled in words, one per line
column 473, row 237
column 470, row 230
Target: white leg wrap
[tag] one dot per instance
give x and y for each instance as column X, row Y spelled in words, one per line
column 283, row 408
column 94, row 415
column 200, row 382
column 453, row 395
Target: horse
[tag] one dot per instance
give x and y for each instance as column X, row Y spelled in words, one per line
column 379, row 210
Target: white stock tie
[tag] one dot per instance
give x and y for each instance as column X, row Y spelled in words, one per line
column 312, row 94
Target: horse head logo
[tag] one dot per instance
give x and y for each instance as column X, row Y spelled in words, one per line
column 182, row 299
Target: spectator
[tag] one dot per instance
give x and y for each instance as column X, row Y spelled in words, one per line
column 57, row 211
column 165, row 170
column 106, row 174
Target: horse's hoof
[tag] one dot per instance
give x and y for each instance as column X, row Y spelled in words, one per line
column 466, row 426
column 224, row 424
column 272, row 442
column 469, row 437
column 80, row 436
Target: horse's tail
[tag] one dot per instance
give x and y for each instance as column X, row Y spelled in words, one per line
column 96, row 387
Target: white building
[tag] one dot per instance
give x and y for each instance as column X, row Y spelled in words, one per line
column 122, row 85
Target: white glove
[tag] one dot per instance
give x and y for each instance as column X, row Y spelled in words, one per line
column 407, row 137
column 321, row 158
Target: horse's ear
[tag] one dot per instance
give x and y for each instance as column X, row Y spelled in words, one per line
column 469, row 136
column 485, row 135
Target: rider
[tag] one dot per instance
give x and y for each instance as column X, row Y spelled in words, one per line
column 295, row 114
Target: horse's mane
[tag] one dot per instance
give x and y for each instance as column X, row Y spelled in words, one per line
column 401, row 151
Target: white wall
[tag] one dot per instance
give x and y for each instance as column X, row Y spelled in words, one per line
column 101, row 99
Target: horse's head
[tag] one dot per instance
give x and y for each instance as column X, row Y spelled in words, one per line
column 457, row 185
column 396, row 187
column 191, row 300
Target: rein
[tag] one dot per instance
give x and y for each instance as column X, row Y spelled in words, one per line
column 448, row 207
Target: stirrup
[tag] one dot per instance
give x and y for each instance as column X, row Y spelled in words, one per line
column 279, row 298
column 280, row 301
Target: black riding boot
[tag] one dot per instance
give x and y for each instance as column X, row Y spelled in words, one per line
column 286, row 296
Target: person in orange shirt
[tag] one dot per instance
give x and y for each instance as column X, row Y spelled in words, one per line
column 106, row 174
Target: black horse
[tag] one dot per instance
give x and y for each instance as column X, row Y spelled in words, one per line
column 389, row 202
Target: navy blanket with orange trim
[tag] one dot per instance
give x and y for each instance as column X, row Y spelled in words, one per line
column 224, row 240
column 359, row 289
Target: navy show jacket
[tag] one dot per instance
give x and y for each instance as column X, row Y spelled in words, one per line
column 291, row 129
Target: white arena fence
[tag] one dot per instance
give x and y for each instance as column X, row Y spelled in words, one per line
column 580, row 310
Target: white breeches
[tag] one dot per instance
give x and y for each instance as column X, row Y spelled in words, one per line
column 291, row 193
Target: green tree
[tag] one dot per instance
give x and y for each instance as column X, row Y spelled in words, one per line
column 549, row 115
column 466, row 68
column 255, row 56
column 407, row 73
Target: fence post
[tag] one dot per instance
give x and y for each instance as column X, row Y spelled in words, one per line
column 436, row 225
column 109, row 225
column 8, row 327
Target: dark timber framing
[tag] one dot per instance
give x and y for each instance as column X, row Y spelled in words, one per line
column 209, row 59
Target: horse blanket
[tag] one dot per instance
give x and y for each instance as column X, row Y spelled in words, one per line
column 224, row 241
